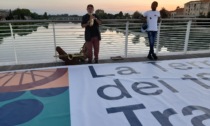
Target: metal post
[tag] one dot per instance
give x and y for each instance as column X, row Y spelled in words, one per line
column 14, row 46
column 126, row 38
column 158, row 38
column 54, row 37
column 187, row 36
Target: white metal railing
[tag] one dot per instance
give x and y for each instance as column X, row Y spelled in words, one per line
column 181, row 36
column 34, row 41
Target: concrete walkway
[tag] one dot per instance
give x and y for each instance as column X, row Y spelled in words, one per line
column 135, row 59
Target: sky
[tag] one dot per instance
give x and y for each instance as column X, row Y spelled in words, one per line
column 79, row 7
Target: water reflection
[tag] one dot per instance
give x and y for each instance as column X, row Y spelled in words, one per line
column 136, row 39
column 21, row 29
column 113, row 39
column 4, row 32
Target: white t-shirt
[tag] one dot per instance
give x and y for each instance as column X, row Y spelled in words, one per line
column 152, row 19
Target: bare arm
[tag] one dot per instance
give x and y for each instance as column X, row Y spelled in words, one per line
column 144, row 19
column 159, row 19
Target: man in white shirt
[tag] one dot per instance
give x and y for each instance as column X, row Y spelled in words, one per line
column 152, row 17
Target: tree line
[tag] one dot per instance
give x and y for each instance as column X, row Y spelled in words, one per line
column 103, row 15
column 23, row 14
column 136, row 15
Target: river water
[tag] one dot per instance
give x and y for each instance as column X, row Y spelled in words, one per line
column 36, row 44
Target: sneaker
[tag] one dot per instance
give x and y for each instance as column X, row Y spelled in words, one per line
column 96, row 61
column 149, row 57
column 155, row 56
column 89, row 62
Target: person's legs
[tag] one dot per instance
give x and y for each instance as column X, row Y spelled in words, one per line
column 96, row 48
column 154, row 35
column 151, row 44
column 89, row 46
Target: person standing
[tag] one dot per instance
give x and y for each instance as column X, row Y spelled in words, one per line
column 152, row 18
column 91, row 22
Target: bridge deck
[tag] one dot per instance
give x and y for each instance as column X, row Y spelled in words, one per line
column 135, row 59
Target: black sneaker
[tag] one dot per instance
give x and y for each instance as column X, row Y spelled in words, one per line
column 155, row 56
column 149, row 57
column 96, row 61
column 89, row 62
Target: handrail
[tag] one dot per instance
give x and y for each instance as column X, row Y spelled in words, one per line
column 185, row 19
column 119, row 37
column 105, row 20
column 47, row 21
column 36, row 21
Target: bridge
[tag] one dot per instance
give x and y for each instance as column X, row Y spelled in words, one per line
column 25, row 42
column 37, row 89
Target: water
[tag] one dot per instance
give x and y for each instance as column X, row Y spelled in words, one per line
column 36, row 44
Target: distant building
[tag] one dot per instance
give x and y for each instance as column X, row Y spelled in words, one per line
column 197, row 8
column 172, row 14
column 4, row 14
column 179, row 12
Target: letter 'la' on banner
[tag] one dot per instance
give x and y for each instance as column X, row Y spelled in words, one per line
column 163, row 93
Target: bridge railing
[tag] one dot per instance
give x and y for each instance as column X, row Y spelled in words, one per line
column 183, row 36
column 34, row 41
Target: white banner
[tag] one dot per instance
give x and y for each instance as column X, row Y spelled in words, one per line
column 163, row 93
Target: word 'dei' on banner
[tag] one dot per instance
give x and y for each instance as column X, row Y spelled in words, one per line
column 165, row 93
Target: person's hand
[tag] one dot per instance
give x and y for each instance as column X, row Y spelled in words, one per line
column 92, row 17
column 88, row 23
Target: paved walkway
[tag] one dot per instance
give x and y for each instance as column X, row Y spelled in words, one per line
column 135, row 59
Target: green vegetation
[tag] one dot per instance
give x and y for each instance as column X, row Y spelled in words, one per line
column 208, row 15
column 164, row 13
column 103, row 15
column 20, row 29
column 4, row 32
column 137, row 15
column 25, row 14
column 204, row 16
